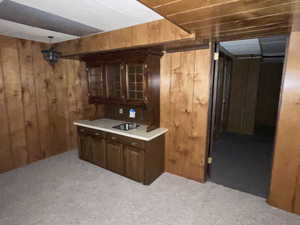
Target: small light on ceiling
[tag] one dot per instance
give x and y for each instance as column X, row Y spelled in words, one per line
column 50, row 54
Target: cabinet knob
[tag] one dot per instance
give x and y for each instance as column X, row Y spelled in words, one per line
column 81, row 130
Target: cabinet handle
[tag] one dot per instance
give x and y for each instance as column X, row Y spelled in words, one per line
column 81, row 130
column 113, row 138
column 97, row 134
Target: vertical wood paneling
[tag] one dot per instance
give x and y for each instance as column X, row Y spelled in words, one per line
column 285, row 182
column 38, row 103
column 42, row 98
column 243, row 96
column 13, row 89
column 268, row 94
column 165, row 87
column 200, row 110
column 29, row 100
column 184, row 111
column 5, row 146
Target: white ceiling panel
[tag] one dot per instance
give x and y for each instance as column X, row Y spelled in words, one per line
column 104, row 15
column 242, row 47
column 17, row 30
column 273, row 46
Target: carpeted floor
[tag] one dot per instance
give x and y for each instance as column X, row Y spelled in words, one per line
column 243, row 162
column 64, row 190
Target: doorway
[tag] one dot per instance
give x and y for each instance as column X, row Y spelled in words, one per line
column 246, row 91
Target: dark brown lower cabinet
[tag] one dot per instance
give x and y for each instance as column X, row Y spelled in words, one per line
column 97, row 145
column 134, row 163
column 142, row 161
column 85, row 151
column 115, row 157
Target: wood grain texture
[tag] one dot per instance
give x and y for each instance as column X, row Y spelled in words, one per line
column 156, row 32
column 218, row 19
column 38, row 103
column 268, row 94
column 243, row 96
column 285, row 185
column 184, row 111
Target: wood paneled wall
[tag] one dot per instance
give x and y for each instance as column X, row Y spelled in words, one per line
column 268, row 94
column 285, row 183
column 38, row 103
column 243, row 96
column 185, row 80
column 156, row 32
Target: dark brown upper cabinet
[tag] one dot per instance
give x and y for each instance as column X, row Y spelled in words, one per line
column 130, row 78
column 137, row 83
column 97, row 83
column 115, row 84
column 125, row 77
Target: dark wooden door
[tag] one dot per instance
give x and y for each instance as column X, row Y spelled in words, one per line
column 115, row 157
column 85, row 151
column 98, row 150
column 115, row 81
column 134, row 163
column 136, row 82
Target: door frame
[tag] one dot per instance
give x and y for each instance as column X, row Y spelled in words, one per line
column 214, row 72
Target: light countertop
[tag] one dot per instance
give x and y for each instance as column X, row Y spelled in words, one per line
column 107, row 124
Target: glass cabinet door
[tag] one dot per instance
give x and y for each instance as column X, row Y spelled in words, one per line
column 136, row 81
column 96, row 82
column 114, row 81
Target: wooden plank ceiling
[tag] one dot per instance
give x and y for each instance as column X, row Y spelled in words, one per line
column 228, row 19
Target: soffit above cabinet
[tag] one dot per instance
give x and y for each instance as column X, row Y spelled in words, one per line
column 224, row 19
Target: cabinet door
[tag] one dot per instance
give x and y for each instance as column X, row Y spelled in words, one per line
column 134, row 163
column 115, row 85
column 85, row 152
column 98, row 149
column 115, row 161
column 97, row 82
column 136, row 82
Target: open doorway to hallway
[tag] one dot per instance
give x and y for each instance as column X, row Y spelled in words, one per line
column 247, row 84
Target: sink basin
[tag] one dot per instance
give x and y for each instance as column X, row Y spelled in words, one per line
column 126, row 126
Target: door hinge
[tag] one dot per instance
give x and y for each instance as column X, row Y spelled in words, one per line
column 209, row 160
column 216, row 56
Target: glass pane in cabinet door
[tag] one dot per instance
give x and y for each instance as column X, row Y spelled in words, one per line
column 114, row 80
column 135, row 79
column 96, row 82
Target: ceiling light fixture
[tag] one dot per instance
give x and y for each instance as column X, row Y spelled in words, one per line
column 50, row 54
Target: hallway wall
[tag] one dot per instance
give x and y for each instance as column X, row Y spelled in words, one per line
column 243, row 96
column 285, row 183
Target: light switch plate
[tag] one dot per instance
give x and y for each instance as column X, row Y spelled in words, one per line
column 121, row 110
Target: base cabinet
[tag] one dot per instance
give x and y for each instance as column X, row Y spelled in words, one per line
column 97, row 145
column 134, row 163
column 85, row 151
column 142, row 161
column 115, row 157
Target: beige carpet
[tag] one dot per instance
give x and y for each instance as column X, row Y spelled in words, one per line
column 64, row 190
